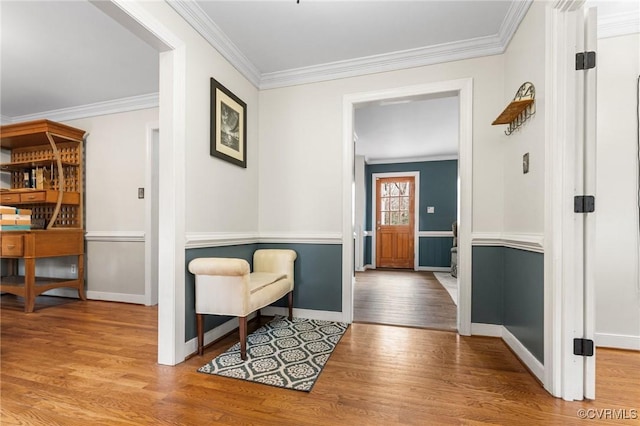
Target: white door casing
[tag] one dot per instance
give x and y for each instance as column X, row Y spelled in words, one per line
column 568, row 296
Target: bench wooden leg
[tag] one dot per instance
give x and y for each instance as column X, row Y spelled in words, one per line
column 243, row 338
column 290, row 305
column 200, row 325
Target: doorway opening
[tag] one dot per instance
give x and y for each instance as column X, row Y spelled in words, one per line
column 461, row 91
column 410, row 208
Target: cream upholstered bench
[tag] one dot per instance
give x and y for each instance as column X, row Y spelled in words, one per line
column 226, row 286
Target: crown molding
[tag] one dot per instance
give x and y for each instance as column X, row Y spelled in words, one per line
column 411, row 159
column 202, row 23
column 618, row 24
column 515, row 15
column 411, row 58
column 132, row 103
column 5, row 119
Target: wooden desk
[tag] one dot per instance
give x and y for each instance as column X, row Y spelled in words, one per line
column 32, row 245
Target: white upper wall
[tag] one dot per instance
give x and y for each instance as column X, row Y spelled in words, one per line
column 301, row 146
column 617, row 257
column 115, row 165
column 219, row 196
column 525, row 61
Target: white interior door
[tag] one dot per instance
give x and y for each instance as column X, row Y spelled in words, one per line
column 585, row 185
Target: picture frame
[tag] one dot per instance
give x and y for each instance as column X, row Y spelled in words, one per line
column 228, row 125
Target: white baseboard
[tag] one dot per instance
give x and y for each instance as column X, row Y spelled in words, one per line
column 494, row 330
column 305, row 313
column 618, row 341
column 369, row 266
column 138, row 299
column 191, row 346
column 523, row 353
column 491, row 330
column 71, row 293
column 434, row 268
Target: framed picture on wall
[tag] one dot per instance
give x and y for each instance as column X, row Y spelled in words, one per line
column 228, row 125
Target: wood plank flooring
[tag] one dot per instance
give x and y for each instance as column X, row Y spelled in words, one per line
column 94, row 363
column 406, row 298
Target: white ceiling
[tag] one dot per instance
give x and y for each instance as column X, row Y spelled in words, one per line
column 57, row 54
column 279, row 36
column 409, row 130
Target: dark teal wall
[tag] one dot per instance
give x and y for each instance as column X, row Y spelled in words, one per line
column 438, row 188
column 508, row 289
column 318, row 278
column 487, row 301
column 435, row 251
column 524, row 298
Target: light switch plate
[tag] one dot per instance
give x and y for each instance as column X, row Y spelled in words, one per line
column 525, row 163
column 431, row 209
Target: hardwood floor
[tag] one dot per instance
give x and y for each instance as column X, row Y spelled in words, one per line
column 94, row 363
column 406, row 298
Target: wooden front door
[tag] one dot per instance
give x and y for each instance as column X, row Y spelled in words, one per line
column 395, row 198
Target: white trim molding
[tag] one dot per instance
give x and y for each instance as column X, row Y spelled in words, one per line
column 433, row 268
column 115, row 106
column 464, row 49
column 412, row 159
column 219, row 239
column 435, row 234
column 115, row 236
column 191, row 346
column 618, row 24
column 310, row 238
column 138, row 299
column 496, row 330
column 532, row 363
column 305, row 313
column 618, row 341
column 527, row 242
column 490, row 330
column 202, row 23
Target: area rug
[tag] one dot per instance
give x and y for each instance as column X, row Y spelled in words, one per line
column 283, row 353
column 449, row 283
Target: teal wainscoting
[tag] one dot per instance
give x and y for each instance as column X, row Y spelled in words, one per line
column 487, row 301
column 524, row 298
column 508, row 290
column 318, row 278
column 435, row 251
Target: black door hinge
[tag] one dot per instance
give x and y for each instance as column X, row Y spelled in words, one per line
column 585, row 60
column 583, row 347
column 584, row 204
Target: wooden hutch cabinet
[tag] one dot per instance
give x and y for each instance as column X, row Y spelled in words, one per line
column 54, row 152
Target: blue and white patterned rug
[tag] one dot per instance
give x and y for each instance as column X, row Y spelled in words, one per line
column 283, row 353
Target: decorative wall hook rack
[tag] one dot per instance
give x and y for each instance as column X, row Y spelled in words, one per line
column 521, row 108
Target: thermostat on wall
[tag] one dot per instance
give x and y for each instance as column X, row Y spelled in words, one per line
column 431, row 209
